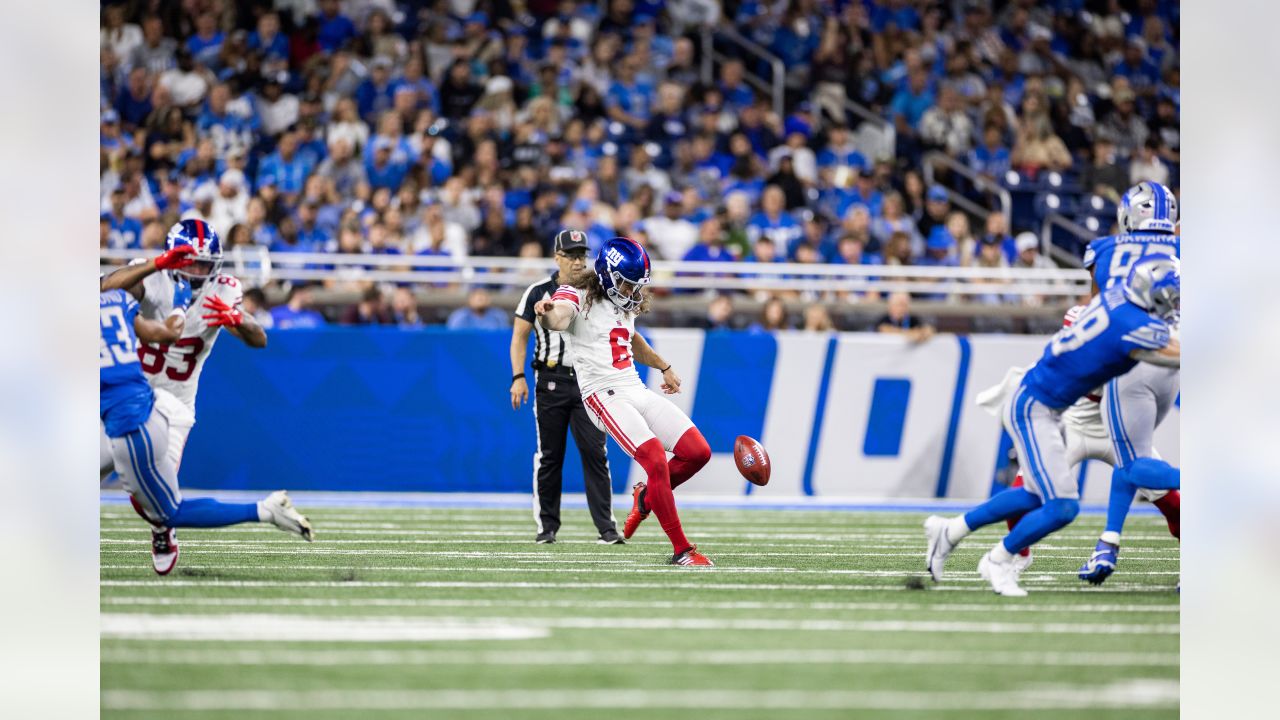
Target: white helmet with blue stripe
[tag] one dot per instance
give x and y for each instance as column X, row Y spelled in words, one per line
column 1148, row 207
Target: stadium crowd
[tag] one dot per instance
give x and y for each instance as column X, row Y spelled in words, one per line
column 482, row 127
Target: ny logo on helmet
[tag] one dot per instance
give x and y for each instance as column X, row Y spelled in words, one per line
column 613, row 256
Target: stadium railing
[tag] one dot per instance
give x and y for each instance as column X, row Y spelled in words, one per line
column 258, row 266
column 1076, row 232
column 936, row 158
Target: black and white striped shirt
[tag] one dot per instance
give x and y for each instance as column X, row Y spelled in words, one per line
column 553, row 348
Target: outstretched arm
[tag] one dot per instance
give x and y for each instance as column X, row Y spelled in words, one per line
column 249, row 331
column 644, row 354
column 129, row 277
column 556, row 314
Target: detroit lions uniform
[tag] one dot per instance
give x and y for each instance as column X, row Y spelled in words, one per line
column 619, row 403
column 1079, row 358
column 137, row 430
column 1137, row 402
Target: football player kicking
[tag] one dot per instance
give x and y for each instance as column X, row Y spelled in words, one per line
column 598, row 310
column 185, row 281
column 1124, row 325
column 1087, row 438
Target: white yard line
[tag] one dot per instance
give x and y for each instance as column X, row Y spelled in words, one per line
column 1135, row 693
column 986, row 609
column 637, row 568
column 288, row 545
column 295, row 585
column 262, row 626
column 331, row 657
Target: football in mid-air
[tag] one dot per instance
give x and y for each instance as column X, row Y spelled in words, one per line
column 752, row 460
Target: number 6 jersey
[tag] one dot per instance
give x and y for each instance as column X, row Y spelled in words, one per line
column 601, row 343
column 176, row 367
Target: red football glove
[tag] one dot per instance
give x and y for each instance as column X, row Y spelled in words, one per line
column 223, row 314
column 178, row 257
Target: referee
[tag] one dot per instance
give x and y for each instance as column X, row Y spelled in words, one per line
column 557, row 405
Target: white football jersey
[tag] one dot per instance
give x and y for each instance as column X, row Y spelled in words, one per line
column 601, row 337
column 177, row 367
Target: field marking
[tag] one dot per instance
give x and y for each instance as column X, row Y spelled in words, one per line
column 728, row 532
column 161, row 583
column 343, row 657
column 290, row 545
column 309, row 628
column 1031, row 576
column 389, row 628
column 139, row 600
column 1134, row 693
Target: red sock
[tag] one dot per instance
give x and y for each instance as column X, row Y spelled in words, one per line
column 1017, row 482
column 1171, row 506
column 137, row 507
column 691, row 454
column 658, row 496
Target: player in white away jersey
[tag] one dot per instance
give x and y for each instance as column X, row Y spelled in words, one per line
column 212, row 302
column 598, row 311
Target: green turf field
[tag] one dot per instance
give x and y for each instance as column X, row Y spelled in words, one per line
column 456, row 613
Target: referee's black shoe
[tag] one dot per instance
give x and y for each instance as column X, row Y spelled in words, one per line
column 610, row 537
column 545, row 538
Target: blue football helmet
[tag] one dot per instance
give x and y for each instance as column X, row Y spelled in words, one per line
column 1155, row 284
column 1147, row 207
column 623, row 270
column 208, row 255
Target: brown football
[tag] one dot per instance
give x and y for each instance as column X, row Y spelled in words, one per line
column 752, row 460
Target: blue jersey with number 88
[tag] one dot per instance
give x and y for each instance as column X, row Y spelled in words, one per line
column 1111, row 257
column 1094, row 349
column 126, row 398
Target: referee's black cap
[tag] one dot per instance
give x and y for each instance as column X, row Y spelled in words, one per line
column 570, row 240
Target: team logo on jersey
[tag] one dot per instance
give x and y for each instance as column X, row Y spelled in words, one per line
column 613, row 257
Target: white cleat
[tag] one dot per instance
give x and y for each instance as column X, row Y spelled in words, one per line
column 1021, row 563
column 1002, row 576
column 939, row 547
column 285, row 517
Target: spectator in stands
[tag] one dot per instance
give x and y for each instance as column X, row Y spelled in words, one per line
column 899, row 320
column 719, row 313
column 936, row 208
column 479, row 314
column 124, row 231
column 404, row 308
column 895, row 220
column 1147, row 165
column 371, row 310
column 992, row 158
column 966, row 243
column 940, row 249
column 817, row 319
column 669, row 233
column 1123, row 126
column 1104, row 175
column 710, row 246
column 156, row 52
column 773, row 222
column 946, row 126
column 1037, row 148
column 296, row 313
column 897, row 251
column 231, row 206
column 773, row 316
column 334, row 29
column 255, row 305
column 1029, row 253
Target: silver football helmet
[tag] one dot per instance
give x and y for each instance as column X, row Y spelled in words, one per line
column 1147, row 207
column 1155, row 284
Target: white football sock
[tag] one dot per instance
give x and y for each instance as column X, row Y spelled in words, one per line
column 1111, row 537
column 957, row 529
column 1000, row 555
column 264, row 515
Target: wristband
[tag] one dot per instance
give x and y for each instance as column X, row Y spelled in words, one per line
column 668, row 367
column 517, row 376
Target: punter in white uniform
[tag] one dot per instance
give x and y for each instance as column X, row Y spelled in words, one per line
column 598, row 312
column 212, row 302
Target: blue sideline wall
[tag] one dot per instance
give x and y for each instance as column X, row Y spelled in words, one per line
column 850, row 415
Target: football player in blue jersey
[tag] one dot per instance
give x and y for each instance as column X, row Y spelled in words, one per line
column 1124, row 325
column 138, row 430
column 1135, row 403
